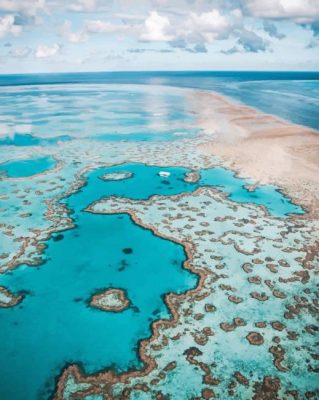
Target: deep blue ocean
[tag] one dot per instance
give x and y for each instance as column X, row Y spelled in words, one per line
column 287, row 94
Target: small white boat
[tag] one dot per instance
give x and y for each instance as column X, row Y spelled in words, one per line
column 164, row 174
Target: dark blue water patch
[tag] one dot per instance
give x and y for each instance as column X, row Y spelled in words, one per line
column 147, row 182
column 27, row 167
column 54, row 325
column 29, row 140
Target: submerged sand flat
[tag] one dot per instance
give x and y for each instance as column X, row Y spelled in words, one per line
column 262, row 147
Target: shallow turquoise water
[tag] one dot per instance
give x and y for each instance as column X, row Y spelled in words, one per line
column 54, row 326
column 147, row 182
column 38, row 115
column 27, row 167
column 293, row 95
column 148, row 136
column 267, row 195
column 19, row 139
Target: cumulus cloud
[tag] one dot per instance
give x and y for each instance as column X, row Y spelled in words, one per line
column 98, row 26
column 156, row 28
column 70, row 36
column 303, row 12
column 201, row 28
column 299, row 10
column 178, row 30
column 82, row 6
column 272, row 30
column 232, row 50
column 191, row 32
column 315, row 28
column 27, row 7
column 209, row 25
column 188, row 25
column 7, row 26
column 138, row 51
column 44, row 51
column 198, row 48
column 251, row 42
column 248, row 42
column 178, row 43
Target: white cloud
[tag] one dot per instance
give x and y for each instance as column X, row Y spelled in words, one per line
column 7, row 26
column 44, row 51
column 211, row 21
column 207, row 26
column 82, row 6
column 236, row 13
column 299, row 10
column 73, row 37
column 98, row 26
column 156, row 28
column 191, row 28
column 179, row 30
column 27, row 7
column 194, row 28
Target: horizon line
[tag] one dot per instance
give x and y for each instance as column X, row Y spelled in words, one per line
column 162, row 71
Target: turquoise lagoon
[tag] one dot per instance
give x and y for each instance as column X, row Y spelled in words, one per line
column 54, row 325
column 146, row 182
column 27, row 167
column 20, row 139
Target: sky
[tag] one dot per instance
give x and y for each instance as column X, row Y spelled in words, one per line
column 121, row 35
